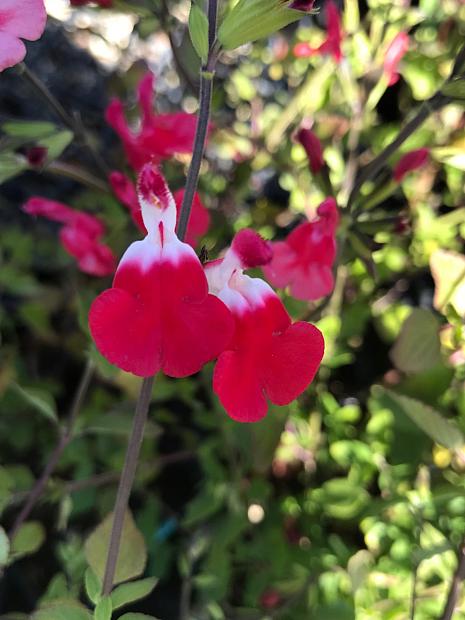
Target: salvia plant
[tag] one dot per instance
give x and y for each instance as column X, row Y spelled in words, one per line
column 260, row 243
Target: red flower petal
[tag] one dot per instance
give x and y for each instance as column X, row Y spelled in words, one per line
column 409, row 162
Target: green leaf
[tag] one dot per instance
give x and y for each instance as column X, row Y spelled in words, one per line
column 417, row 347
column 33, row 130
column 6, row 486
column 251, row 20
column 358, row 568
column 130, row 592
column 132, row 554
column 4, row 547
column 342, row 499
column 28, row 539
column 198, row 30
column 137, row 617
column 455, row 88
column 93, row 586
column 39, row 399
column 430, row 421
column 103, row 609
column 57, row 143
column 62, row 610
column 11, row 165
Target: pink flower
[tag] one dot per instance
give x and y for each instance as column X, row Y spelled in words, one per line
column 409, row 162
column 160, row 136
column 394, row 54
column 304, row 260
column 302, row 5
column 332, row 44
column 313, row 148
column 199, row 220
column 158, row 315
column 19, row 19
column 80, row 235
column 268, row 357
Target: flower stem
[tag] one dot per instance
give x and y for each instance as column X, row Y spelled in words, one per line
column 459, row 576
column 74, row 124
column 65, row 437
column 205, row 97
column 126, row 481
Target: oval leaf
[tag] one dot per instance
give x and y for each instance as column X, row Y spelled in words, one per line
column 62, row 610
column 132, row 554
column 28, row 539
column 417, row 347
column 134, row 591
column 198, row 30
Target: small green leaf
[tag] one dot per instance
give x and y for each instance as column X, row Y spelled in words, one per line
column 4, row 547
column 93, row 586
column 198, row 30
column 11, row 165
column 431, row 422
column 39, row 399
column 130, row 592
column 137, row 617
column 33, row 130
column 417, row 347
column 62, row 610
column 455, row 88
column 103, row 609
column 132, row 554
column 28, row 539
column 251, row 20
column 57, row 143
column 358, row 568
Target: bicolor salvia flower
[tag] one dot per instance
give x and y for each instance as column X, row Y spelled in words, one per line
column 331, row 46
column 159, row 137
column 303, row 261
column 159, row 315
column 313, row 149
column 409, row 162
column 125, row 191
column 268, row 358
column 19, row 19
column 80, row 235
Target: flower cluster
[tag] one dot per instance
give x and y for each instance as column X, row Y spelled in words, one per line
column 160, row 136
column 331, row 46
column 167, row 312
column 80, row 235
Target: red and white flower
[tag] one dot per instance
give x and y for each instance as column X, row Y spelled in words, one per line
column 199, row 220
column 331, row 46
column 304, row 260
column 19, row 19
column 80, row 235
column 160, row 136
column 269, row 358
column 158, row 315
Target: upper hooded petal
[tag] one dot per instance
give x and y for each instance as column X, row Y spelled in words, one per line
column 23, row 18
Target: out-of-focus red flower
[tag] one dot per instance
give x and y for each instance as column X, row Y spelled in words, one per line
column 332, row 44
column 270, row 599
column 304, row 260
column 19, row 19
column 269, row 358
column 302, row 5
column 103, row 3
column 199, row 219
column 159, row 137
column 394, row 54
column 158, row 315
column 313, row 149
column 409, row 162
column 80, row 235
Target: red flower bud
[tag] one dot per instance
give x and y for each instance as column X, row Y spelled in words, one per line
column 409, row 162
column 313, row 148
column 36, row 156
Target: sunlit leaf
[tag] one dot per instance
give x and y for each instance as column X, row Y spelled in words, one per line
column 417, row 347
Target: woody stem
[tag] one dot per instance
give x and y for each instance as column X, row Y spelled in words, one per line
column 126, row 481
column 205, row 99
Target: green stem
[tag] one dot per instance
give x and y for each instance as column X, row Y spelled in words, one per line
column 65, row 437
column 126, row 482
column 459, row 576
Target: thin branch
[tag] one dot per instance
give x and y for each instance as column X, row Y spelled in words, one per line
column 459, row 576
column 63, row 441
column 126, row 481
column 73, row 123
column 76, row 174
